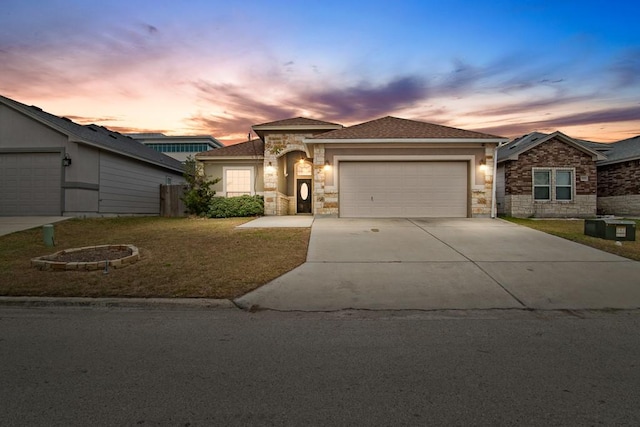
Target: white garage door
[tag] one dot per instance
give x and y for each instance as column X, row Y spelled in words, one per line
column 30, row 184
column 403, row 189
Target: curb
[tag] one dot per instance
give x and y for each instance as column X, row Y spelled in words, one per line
column 175, row 303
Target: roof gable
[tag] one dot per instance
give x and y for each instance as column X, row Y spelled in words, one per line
column 297, row 121
column 96, row 135
column 396, row 128
column 513, row 149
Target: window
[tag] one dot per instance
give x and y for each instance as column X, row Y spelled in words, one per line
column 542, row 185
column 564, row 187
column 560, row 180
column 237, row 182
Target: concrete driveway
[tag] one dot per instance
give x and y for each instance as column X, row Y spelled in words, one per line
column 434, row 264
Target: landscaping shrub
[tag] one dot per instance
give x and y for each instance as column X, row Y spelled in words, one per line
column 199, row 194
column 228, row 207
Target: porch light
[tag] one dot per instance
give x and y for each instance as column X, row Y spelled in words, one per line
column 327, row 165
column 270, row 168
column 483, row 165
column 66, row 161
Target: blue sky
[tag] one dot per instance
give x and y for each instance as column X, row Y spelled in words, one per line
column 218, row 67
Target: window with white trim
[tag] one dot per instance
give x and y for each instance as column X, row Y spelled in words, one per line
column 553, row 184
column 238, row 182
column 542, row 184
column 564, row 185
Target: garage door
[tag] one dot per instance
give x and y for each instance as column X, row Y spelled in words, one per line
column 403, row 189
column 30, row 184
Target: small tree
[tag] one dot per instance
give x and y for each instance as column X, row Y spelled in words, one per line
column 199, row 194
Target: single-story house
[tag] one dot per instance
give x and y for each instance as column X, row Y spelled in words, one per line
column 547, row 175
column 50, row 165
column 389, row 167
column 619, row 178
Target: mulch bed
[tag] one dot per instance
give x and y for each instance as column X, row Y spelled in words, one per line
column 92, row 255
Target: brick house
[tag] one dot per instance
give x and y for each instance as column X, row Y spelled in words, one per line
column 547, row 175
column 619, row 178
column 389, row 167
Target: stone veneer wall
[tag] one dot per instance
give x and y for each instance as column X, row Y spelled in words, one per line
column 325, row 201
column 481, row 198
column 275, row 146
column 619, row 205
column 552, row 154
column 522, row 206
column 619, row 188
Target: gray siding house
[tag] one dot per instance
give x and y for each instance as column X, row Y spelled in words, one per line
column 50, row 165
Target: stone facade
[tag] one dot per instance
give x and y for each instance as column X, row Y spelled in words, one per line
column 277, row 145
column 481, row 198
column 518, row 178
column 523, row 206
column 628, row 205
column 619, row 188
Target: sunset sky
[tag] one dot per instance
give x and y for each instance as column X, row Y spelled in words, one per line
column 218, row 67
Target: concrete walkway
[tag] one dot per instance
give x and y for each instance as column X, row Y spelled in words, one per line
column 434, row 264
column 11, row 224
column 286, row 221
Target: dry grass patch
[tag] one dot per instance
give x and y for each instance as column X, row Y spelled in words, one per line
column 574, row 230
column 179, row 257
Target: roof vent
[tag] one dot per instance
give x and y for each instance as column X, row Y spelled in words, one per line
column 112, row 136
column 36, row 108
column 66, row 118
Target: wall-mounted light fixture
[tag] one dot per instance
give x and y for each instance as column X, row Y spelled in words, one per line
column 66, row 160
column 483, row 165
column 301, row 160
column 270, row 168
column 327, row 165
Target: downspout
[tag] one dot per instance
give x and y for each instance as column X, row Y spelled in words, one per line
column 493, row 185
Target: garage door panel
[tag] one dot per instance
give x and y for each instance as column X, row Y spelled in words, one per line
column 30, row 184
column 403, row 189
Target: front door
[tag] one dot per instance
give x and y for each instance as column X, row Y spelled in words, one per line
column 304, row 196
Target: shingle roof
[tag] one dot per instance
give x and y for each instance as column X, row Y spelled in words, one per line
column 515, row 147
column 97, row 135
column 396, row 128
column 627, row 149
column 298, row 121
column 252, row 148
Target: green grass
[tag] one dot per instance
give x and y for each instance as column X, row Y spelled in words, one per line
column 573, row 230
column 180, row 257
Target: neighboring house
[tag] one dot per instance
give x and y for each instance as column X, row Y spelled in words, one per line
column 50, row 165
column 388, row 167
column 547, row 175
column 619, row 178
column 178, row 147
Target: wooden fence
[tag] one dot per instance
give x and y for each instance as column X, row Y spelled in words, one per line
column 171, row 204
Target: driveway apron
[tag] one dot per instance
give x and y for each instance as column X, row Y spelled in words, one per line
column 438, row 264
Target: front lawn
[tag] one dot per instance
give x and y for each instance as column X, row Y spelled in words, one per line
column 179, row 257
column 574, row 230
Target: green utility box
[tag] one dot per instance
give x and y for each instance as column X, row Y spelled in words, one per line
column 610, row 229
